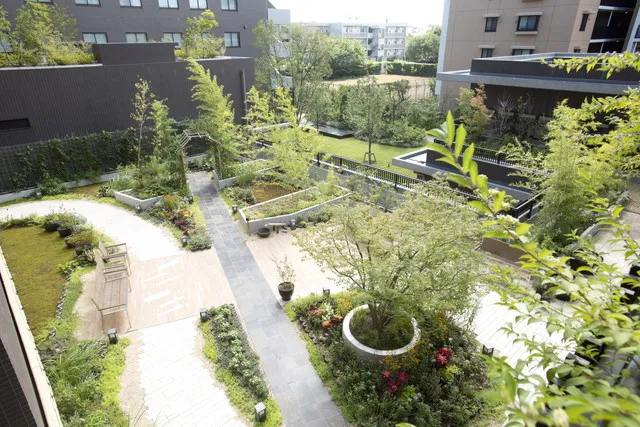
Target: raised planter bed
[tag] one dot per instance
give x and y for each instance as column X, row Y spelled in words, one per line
column 219, row 183
column 367, row 353
column 127, row 198
column 252, row 225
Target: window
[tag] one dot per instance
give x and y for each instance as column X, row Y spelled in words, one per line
column 136, row 37
column 516, row 52
column 583, row 23
column 232, row 39
column 5, row 46
column 638, row 32
column 131, row 3
column 168, row 4
column 229, row 5
column 99, row 38
column 41, row 1
column 173, row 37
column 14, row 124
column 491, row 24
column 88, row 2
column 577, row 50
column 198, row 4
column 486, row 52
column 528, row 23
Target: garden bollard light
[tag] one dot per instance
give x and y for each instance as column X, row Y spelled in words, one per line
column 38, row 194
column 234, row 209
column 184, row 241
column 260, row 412
column 113, row 335
column 487, row 351
column 138, row 208
column 326, row 292
column 204, row 315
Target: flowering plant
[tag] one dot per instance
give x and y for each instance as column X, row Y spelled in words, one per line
column 394, row 383
column 442, row 357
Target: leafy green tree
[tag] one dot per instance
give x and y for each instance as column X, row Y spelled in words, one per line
column 142, row 101
column 301, row 62
column 216, row 117
column 425, row 47
column 367, row 103
column 473, row 112
column 412, row 258
column 42, row 33
column 166, row 145
column 600, row 324
column 320, row 106
column 199, row 40
column 348, row 57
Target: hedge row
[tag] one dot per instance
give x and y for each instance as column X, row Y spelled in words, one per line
column 411, row 69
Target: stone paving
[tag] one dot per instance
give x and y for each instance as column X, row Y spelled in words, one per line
column 303, row 399
column 177, row 382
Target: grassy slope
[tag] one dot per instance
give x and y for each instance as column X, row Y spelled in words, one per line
column 33, row 256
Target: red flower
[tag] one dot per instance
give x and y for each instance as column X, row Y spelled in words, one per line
column 403, row 377
column 445, row 352
column 441, row 360
column 393, row 387
column 386, row 374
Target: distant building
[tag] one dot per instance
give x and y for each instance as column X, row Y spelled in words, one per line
column 485, row 28
column 383, row 42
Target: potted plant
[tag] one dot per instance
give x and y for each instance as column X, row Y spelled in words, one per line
column 67, row 222
column 51, row 222
column 287, row 276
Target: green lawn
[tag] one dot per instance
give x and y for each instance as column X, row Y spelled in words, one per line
column 354, row 149
column 33, row 256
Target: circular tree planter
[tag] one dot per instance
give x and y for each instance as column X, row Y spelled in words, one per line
column 285, row 289
column 367, row 353
column 264, row 231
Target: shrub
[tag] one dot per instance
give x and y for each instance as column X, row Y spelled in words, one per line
column 423, row 113
column 240, row 196
column 411, row 69
column 245, row 179
column 402, row 134
column 86, row 237
column 199, row 240
column 26, row 221
column 51, row 187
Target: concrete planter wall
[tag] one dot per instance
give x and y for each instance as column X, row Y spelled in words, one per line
column 6, row 197
column 126, row 198
column 252, row 225
column 220, row 184
column 367, row 353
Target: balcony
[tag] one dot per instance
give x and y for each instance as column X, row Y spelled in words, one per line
column 609, row 33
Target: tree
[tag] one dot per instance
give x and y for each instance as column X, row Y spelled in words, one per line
column 301, row 63
column 42, row 33
column 199, row 40
column 424, row 48
column 366, row 106
column 348, row 57
column 473, row 112
column 166, row 146
column 141, row 107
column 601, row 323
column 216, row 117
column 320, row 106
column 410, row 259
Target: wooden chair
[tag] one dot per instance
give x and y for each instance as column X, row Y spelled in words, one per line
column 113, row 253
column 112, row 297
column 112, row 270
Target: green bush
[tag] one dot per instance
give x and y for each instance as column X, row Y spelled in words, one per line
column 26, row 221
column 235, row 352
column 199, row 241
column 397, row 334
column 411, row 69
column 423, row 113
column 240, row 196
column 85, row 237
column 51, row 187
column 402, row 134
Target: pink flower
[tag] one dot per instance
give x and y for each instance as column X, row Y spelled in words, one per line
column 403, row 377
column 386, row 374
column 445, row 352
column 441, row 360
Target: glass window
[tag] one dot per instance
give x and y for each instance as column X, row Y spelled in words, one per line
column 491, row 24
column 100, row 38
column 136, row 37
column 232, row 39
column 516, row 52
column 42, row 1
column 528, row 23
column 486, row 53
column 577, row 50
column 131, row 3
column 88, row 2
column 583, row 23
column 5, row 46
column 229, row 5
column 198, row 4
column 168, row 4
column 173, row 37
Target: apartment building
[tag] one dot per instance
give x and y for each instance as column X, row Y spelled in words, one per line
column 488, row 28
column 383, row 42
column 137, row 21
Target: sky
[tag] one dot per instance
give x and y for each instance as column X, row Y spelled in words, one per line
column 419, row 13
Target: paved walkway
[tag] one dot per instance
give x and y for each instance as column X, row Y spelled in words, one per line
column 177, row 382
column 302, row 397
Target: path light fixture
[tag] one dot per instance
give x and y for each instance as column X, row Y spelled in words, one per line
column 260, row 411
column 190, row 199
column 38, row 194
column 487, row 351
column 184, row 241
column 138, row 209
column 234, row 209
column 326, row 292
column 113, row 335
column 293, row 224
column 204, row 315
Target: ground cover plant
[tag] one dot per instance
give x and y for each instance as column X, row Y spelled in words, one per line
column 441, row 382
column 237, row 365
column 249, row 189
column 294, row 202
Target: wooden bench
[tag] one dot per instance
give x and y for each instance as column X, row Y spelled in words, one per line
column 114, row 256
column 112, row 297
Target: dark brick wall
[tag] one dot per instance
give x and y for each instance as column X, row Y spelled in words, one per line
column 78, row 100
column 116, row 21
